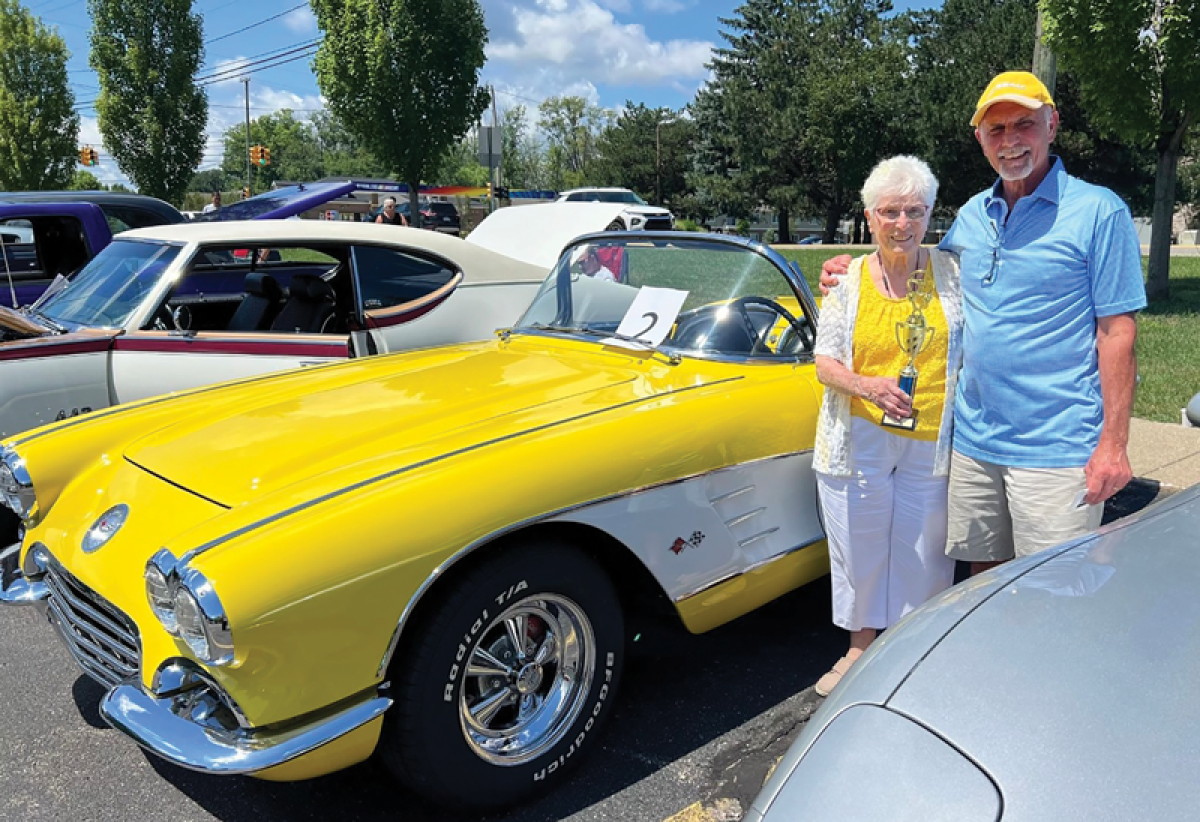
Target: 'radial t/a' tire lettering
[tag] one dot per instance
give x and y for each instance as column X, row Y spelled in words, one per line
column 507, row 683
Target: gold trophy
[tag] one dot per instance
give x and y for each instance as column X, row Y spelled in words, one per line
column 913, row 335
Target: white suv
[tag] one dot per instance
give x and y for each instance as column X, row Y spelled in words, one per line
column 637, row 216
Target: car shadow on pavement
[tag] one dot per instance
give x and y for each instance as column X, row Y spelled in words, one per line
column 678, row 693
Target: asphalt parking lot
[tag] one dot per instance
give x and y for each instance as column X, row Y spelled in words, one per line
column 700, row 722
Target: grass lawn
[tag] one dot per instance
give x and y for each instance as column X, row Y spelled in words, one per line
column 1168, row 336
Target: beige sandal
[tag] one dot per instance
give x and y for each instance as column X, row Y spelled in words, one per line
column 827, row 683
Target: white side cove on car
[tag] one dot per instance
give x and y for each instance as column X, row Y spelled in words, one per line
column 745, row 515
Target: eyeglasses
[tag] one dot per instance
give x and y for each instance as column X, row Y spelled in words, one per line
column 892, row 213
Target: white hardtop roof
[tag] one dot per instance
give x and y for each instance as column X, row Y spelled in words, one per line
column 594, row 188
column 538, row 233
column 477, row 261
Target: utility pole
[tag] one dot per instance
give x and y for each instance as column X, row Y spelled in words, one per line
column 493, row 171
column 1045, row 66
column 249, row 184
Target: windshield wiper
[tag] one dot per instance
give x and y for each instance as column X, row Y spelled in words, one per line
column 595, row 332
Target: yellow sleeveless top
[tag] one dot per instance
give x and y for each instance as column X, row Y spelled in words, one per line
column 877, row 354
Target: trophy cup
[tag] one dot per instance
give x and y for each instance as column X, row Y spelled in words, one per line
column 913, row 335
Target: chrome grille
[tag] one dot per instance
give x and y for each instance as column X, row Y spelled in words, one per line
column 102, row 639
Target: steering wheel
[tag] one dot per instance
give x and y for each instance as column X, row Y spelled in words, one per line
column 705, row 324
column 800, row 328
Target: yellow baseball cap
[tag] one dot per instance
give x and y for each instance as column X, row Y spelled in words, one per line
column 1019, row 87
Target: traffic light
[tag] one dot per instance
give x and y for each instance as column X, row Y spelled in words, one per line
column 489, row 190
column 256, row 155
column 246, row 192
column 266, row 156
column 88, row 156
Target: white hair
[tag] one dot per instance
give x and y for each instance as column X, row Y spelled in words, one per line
column 900, row 176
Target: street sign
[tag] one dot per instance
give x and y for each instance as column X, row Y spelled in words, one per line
column 489, row 146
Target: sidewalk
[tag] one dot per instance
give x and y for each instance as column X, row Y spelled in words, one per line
column 1168, row 453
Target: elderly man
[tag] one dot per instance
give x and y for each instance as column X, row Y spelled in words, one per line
column 1051, row 278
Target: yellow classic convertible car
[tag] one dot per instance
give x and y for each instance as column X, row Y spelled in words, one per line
column 435, row 556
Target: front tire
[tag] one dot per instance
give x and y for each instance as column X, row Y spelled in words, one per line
column 506, row 685
column 616, row 225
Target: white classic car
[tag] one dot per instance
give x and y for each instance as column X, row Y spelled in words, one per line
column 175, row 307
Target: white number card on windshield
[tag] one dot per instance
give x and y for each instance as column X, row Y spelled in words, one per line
column 650, row 317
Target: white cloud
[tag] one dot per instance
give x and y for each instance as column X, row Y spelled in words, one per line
column 567, row 41
column 301, row 21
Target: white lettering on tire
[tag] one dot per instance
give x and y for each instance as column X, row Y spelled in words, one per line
column 463, row 647
column 610, row 661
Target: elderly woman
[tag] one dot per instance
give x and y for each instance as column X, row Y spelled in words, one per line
column 882, row 456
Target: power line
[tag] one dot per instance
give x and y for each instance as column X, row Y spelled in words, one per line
column 238, row 68
column 235, row 71
column 259, row 23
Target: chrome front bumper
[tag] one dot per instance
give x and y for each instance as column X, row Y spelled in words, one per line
column 154, row 723
column 15, row 589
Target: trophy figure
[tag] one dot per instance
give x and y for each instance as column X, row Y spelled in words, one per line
column 913, row 335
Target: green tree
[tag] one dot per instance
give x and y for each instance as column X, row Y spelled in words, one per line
column 85, row 181
column 295, row 150
column 403, row 75
column 647, row 150
column 572, row 126
column 38, row 123
column 804, row 99
column 522, row 160
column 460, row 166
column 212, row 179
column 343, row 154
column 1138, row 66
column 960, row 47
column 152, row 115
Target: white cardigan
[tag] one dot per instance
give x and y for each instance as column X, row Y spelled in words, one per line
column 835, row 338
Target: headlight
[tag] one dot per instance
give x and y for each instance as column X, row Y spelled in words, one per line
column 188, row 607
column 16, row 488
column 159, row 571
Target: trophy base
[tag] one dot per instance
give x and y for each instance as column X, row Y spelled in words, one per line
column 908, row 423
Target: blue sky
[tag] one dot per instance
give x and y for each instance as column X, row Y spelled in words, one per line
column 610, row 51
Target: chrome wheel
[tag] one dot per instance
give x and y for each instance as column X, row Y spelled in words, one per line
column 527, row 676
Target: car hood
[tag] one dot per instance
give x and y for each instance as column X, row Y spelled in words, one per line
column 537, row 234
column 1093, row 712
column 646, row 211
column 27, row 325
column 366, row 419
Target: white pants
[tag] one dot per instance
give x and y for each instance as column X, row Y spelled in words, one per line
column 886, row 525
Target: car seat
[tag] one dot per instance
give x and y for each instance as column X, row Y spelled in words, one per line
column 309, row 306
column 259, row 304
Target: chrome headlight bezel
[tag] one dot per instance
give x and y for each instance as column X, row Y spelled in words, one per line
column 187, row 605
column 16, row 487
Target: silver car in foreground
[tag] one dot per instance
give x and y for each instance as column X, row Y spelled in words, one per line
column 1065, row 686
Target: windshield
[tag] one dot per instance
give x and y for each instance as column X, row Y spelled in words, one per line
column 112, row 285
column 701, row 297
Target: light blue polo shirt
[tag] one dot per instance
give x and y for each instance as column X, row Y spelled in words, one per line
column 1033, row 283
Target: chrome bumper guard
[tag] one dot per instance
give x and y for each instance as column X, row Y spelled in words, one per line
column 157, row 725
column 15, row 589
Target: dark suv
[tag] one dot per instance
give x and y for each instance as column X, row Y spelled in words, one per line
column 441, row 217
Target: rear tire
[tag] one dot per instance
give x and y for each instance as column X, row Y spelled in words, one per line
column 478, row 724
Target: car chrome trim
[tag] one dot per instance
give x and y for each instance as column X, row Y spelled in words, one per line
column 150, row 722
column 674, row 354
column 452, row 560
column 737, row 492
column 20, row 493
column 177, row 676
column 23, row 591
column 749, row 568
column 742, row 543
column 740, row 518
column 221, row 540
column 102, row 639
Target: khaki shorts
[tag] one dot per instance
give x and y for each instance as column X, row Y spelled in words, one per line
column 997, row 512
